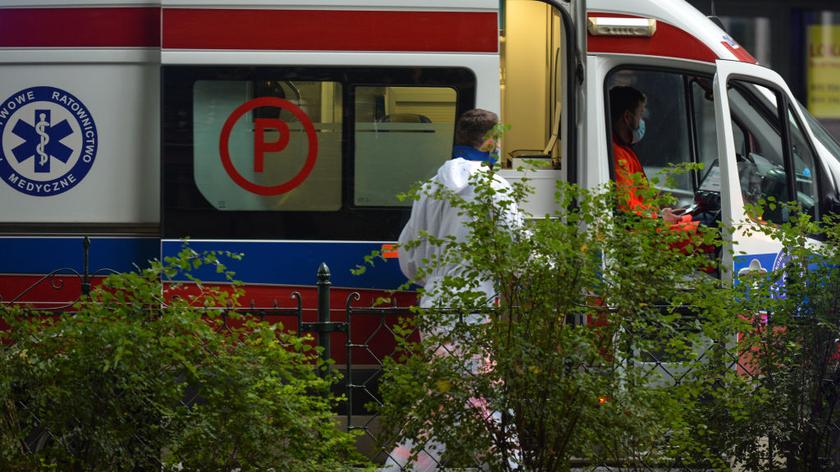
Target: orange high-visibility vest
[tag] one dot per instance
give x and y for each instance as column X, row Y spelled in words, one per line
column 627, row 164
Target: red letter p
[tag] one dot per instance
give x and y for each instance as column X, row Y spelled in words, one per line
column 261, row 146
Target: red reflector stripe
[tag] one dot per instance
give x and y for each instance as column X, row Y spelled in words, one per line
column 80, row 27
column 668, row 41
column 320, row 30
column 742, row 54
column 389, row 251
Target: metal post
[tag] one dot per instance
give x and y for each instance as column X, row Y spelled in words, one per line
column 86, row 266
column 348, row 372
column 324, row 283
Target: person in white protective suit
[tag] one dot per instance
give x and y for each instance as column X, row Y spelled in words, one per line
column 473, row 153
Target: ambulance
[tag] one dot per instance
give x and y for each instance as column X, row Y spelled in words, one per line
column 284, row 129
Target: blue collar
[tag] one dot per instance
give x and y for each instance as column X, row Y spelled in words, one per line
column 472, row 154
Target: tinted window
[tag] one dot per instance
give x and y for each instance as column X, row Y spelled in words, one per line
column 268, row 147
column 237, row 159
column 666, row 140
column 402, row 134
column 804, row 167
column 771, row 169
column 704, row 117
column 705, row 125
column 761, row 170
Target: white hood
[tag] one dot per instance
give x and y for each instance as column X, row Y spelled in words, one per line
column 455, row 174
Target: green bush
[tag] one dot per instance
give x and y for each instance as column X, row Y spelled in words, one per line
column 788, row 417
column 531, row 389
column 137, row 378
column 676, row 368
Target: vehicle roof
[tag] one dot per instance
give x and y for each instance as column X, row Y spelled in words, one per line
column 297, row 4
column 677, row 15
column 680, row 14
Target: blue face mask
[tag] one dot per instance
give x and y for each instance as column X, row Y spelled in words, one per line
column 639, row 132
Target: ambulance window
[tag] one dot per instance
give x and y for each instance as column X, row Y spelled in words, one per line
column 705, row 124
column 804, row 167
column 269, row 145
column 821, row 134
column 740, row 138
column 704, row 119
column 666, row 139
column 761, row 166
column 278, row 152
column 402, row 135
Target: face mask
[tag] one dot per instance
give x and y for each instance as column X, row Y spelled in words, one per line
column 493, row 156
column 639, row 132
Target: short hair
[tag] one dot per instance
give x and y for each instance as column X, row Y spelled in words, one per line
column 472, row 127
column 624, row 98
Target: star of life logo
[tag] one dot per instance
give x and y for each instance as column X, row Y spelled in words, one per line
column 48, row 141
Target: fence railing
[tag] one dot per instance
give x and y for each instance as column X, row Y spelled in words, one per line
column 56, row 293
column 368, row 334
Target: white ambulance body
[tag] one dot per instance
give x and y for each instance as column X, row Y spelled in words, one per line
column 284, row 129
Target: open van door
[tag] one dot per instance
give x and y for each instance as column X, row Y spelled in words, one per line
column 764, row 156
column 575, row 11
column 579, row 16
column 542, row 49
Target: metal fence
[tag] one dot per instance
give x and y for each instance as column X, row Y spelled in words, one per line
column 363, row 333
column 368, row 339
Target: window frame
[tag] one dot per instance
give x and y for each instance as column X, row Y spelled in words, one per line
column 690, row 118
column 199, row 219
column 350, row 196
column 783, row 105
column 784, row 133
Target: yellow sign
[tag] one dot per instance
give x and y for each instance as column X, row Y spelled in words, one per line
column 824, row 71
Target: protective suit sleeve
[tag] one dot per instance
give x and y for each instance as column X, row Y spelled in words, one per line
column 512, row 217
column 408, row 256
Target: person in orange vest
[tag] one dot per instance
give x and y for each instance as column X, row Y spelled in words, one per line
column 627, row 108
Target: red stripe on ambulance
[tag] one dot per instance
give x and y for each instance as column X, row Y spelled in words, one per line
column 80, row 27
column 322, row 30
column 742, row 54
column 668, row 41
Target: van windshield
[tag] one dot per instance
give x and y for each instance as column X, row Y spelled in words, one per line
column 760, row 151
column 821, row 133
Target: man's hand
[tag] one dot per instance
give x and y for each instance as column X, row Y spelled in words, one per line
column 671, row 215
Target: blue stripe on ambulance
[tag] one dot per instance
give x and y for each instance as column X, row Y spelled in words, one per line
column 296, row 262
column 42, row 255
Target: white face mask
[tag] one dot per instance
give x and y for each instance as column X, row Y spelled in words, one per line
column 639, row 132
